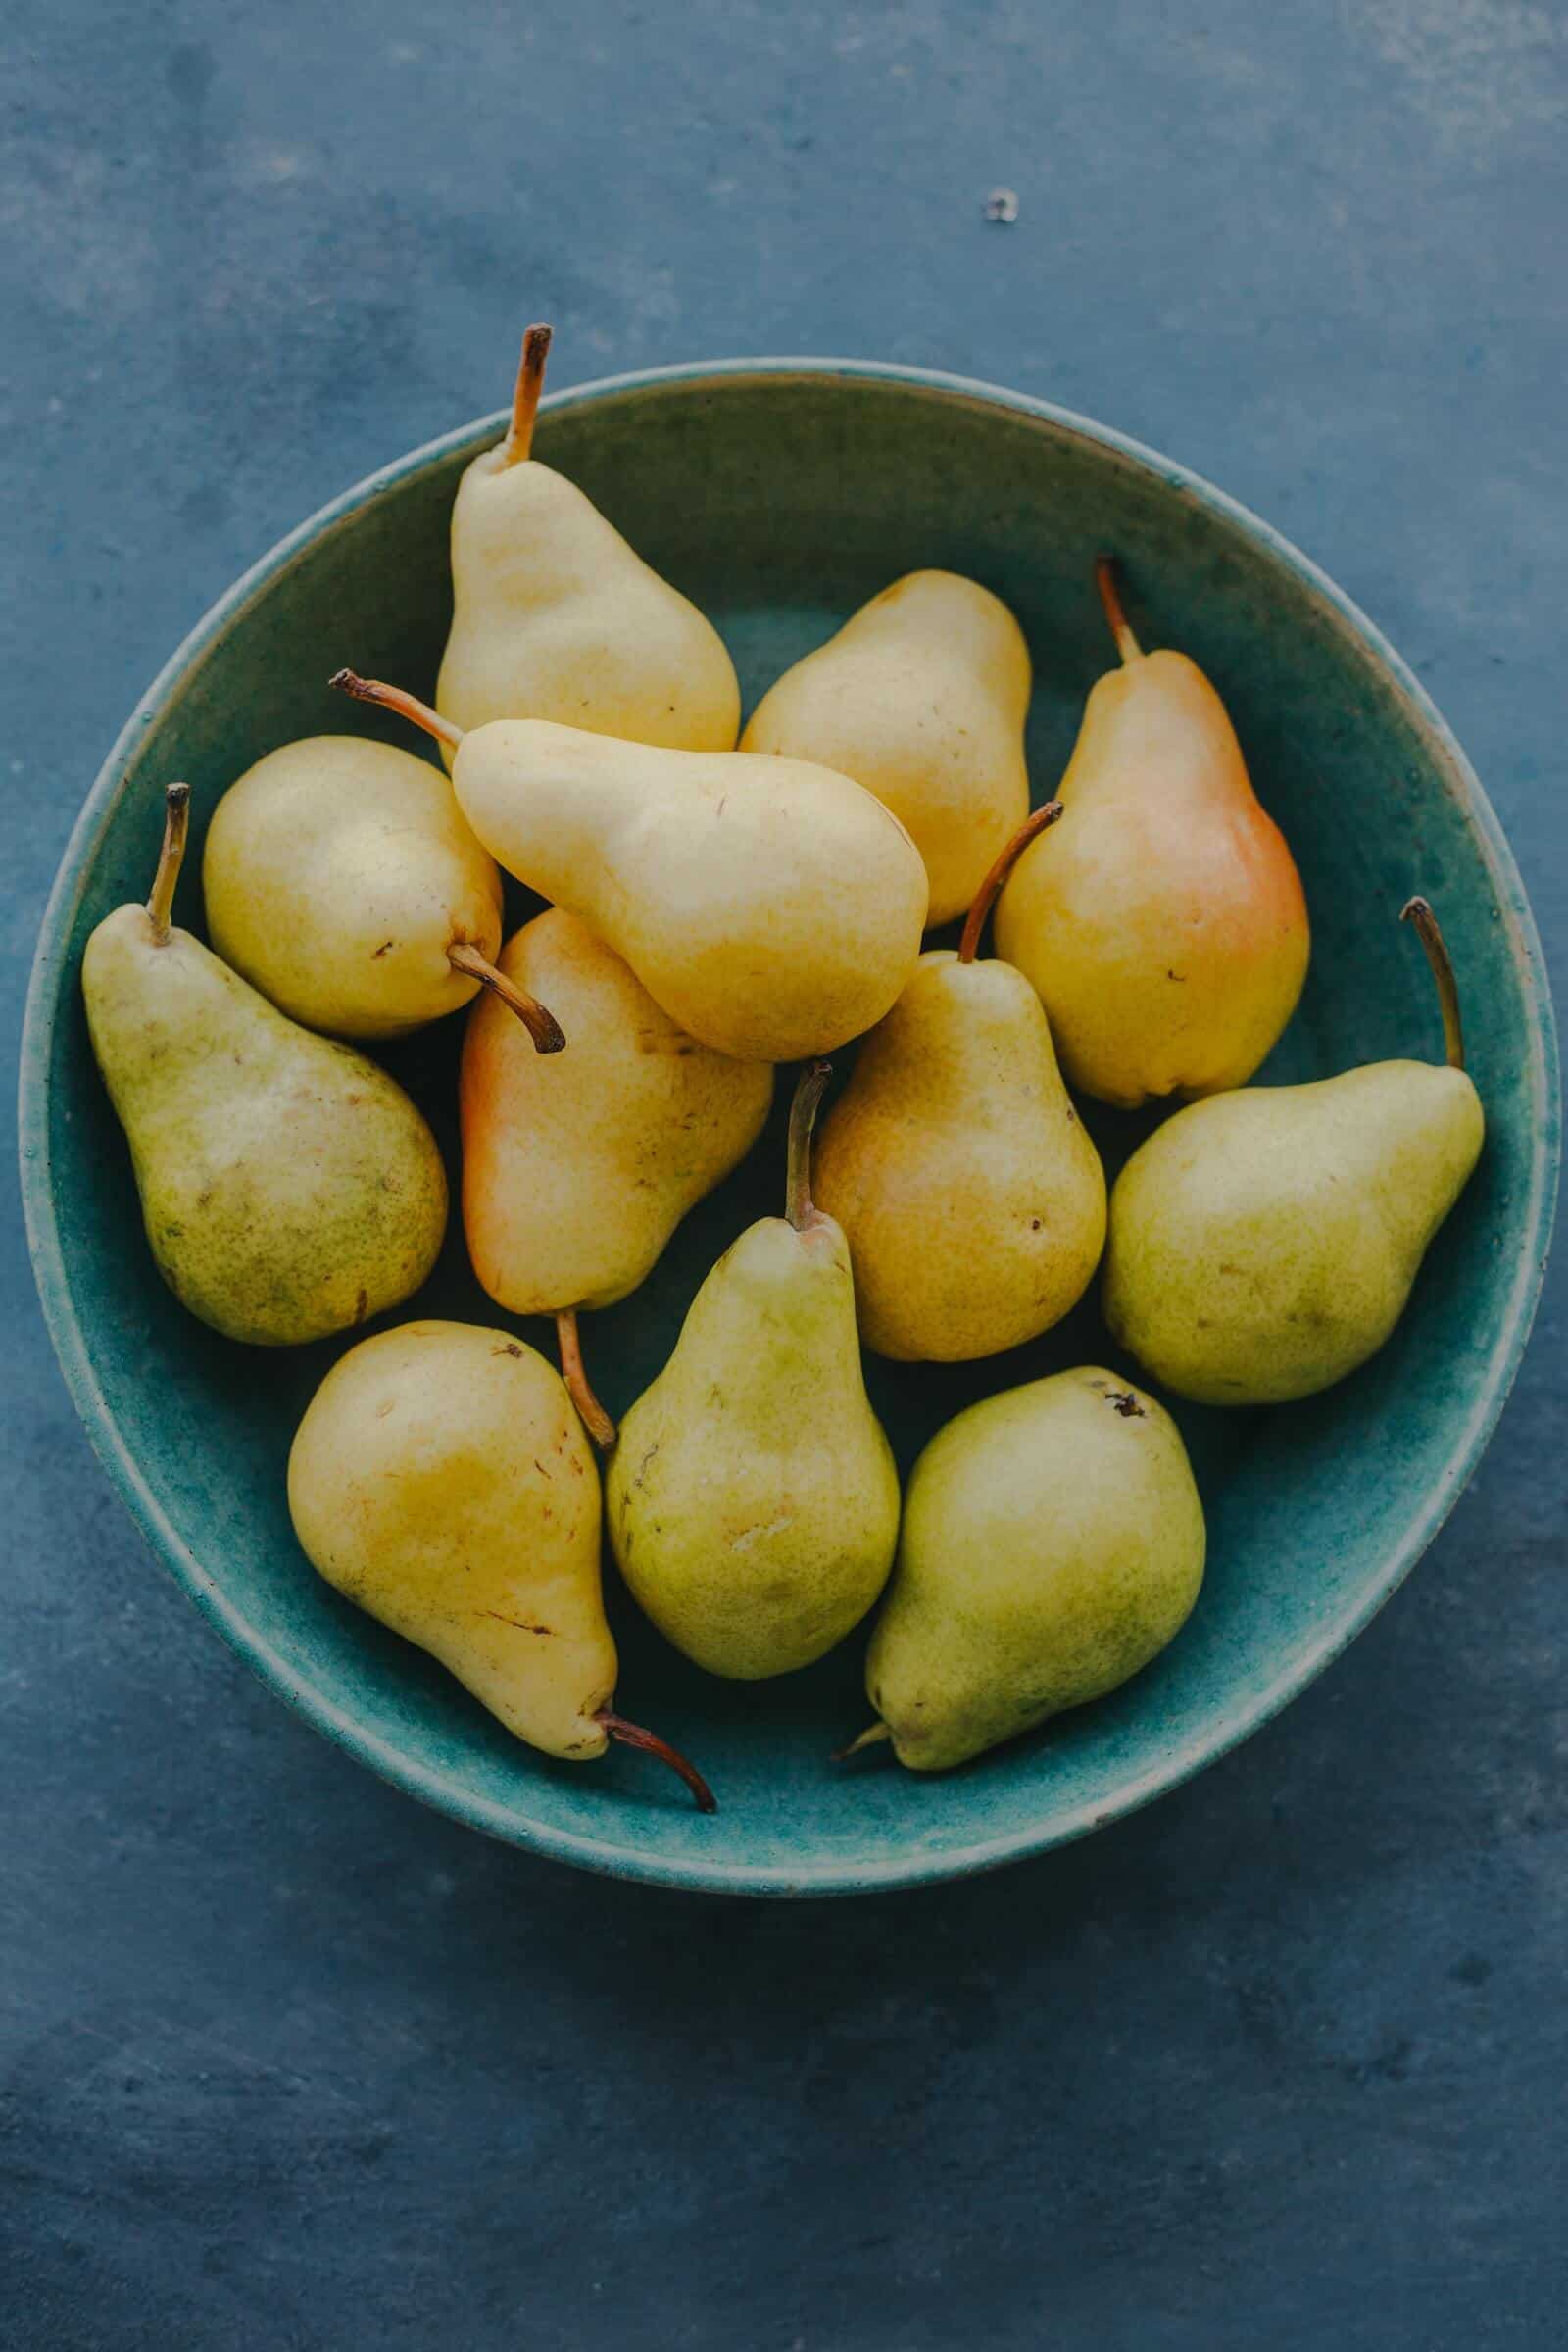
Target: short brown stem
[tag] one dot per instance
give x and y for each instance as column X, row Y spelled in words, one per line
column 869, row 1739
column 171, row 858
column 541, row 1024
column 632, row 1735
column 525, row 396
column 1419, row 913
column 590, row 1413
column 797, row 1161
column 1110, row 586
column 985, row 898
column 393, row 698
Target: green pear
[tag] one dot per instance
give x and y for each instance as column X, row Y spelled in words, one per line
column 1164, row 927
column 972, row 1200
column 290, row 1189
column 754, row 1504
column 554, row 616
column 577, row 1169
column 921, row 697
column 1052, row 1544
column 773, row 908
column 1264, row 1244
column 441, row 1481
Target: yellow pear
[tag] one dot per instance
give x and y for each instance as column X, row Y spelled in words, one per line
column 973, row 1201
column 921, row 697
column 554, row 616
column 440, row 1480
column 774, row 909
column 1164, row 927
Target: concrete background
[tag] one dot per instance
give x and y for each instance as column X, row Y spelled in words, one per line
column 288, row 2063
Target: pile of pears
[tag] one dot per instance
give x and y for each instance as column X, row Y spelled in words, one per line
column 715, row 910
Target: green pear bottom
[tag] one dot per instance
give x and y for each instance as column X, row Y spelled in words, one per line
column 289, row 1187
column 753, row 1497
column 1263, row 1244
column 1052, row 1544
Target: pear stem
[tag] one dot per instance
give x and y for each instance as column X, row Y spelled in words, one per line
column 540, row 1022
column 1110, row 586
column 985, row 898
column 525, row 397
column 590, row 1413
column 632, row 1735
column 171, row 858
column 1419, row 913
column 868, row 1739
column 797, row 1206
column 394, row 697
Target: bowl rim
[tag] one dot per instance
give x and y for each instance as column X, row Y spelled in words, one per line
column 849, row 1873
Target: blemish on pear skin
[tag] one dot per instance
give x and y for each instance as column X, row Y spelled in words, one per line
column 386, row 946
column 362, row 1305
column 522, row 1623
column 510, row 1348
column 1125, row 1402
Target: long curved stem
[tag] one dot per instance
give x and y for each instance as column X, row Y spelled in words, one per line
column 525, row 396
column 590, row 1413
column 1107, row 581
column 394, row 697
column 540, row 1022
column 1418, row 912
column 632, row 1735
column 869, row 1739
column 171, row 858
column 985, row 898
column 797, row 1161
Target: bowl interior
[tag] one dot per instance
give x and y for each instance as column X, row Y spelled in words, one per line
column 780, row 498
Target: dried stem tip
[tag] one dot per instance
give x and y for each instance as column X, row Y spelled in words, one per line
column 985, row 898
column 541, row 1024
column 632, row 1735
column 525, row 396
column 394, row 697
column 798, row 1164
column 1110, row 586
column 869, row 1739
column 1418, row 913
column 171, row 858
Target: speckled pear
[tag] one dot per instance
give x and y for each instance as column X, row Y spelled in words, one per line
column 753, row 1498
column 921, row 697
column 289, row 1187
column 1264, row 1244
column 555, row 617
column 1052, row 1544
column 1165, row 925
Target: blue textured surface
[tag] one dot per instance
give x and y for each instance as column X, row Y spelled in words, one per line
column 289, row 2062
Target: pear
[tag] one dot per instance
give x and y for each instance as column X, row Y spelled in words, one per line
column 1165, row 927
column 773, row 908
column 1052, row 1544
column 753, row 1501
column 576, row 1170
column 921, row 697
column 1264, row 1244
column 342, row 880
column 555, row 617
column 440, row 1480
column 289, row 1187
column 973, row 1202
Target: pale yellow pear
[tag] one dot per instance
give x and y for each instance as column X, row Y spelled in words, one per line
column 921, row 697
column 1052, row 1544
column 1264, row 1244
column 753, row 1498
column 555, row 617
column 771, row 908
column 441, row 1481
column 973, row 1200
column 289, row 1187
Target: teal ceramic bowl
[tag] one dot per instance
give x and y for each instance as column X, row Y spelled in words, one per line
column 780, row 494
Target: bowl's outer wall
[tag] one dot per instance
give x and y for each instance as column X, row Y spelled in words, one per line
column 780, row 495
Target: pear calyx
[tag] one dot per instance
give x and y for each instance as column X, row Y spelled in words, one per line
column 1417, row 911
column 798, row 1206
column 171, row 858
column 394, row 697
column 1107, row 580
column 540, row 1022
column 590, row 1413
column 518, row 442
column 985, row 898
column 632, row 1735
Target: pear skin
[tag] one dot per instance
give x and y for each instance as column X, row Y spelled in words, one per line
column 1052, row 1544
column 289, row 1187
column 578, row 1167
column 753, row 1498
column 1165, row 925
column 921, row 697
column 337, row 874
column 555, row 617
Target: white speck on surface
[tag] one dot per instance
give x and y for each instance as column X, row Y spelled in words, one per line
column 1001, row 205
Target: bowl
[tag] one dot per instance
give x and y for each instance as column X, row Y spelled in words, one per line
column 780, row 494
